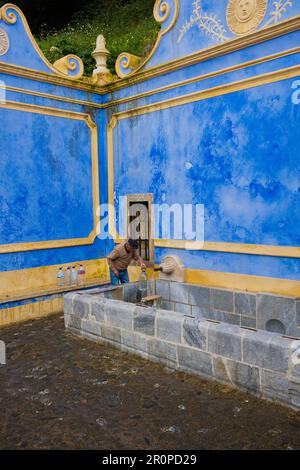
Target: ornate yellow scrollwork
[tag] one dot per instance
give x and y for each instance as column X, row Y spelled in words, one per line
column 162, row 11
column 126, row 61
column 165, row 11
column 7, row 13
column 245, row 15
column 70, row 63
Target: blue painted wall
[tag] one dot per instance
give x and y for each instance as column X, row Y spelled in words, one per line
column 231, row 153
column 47, row 191
column 46, row 162
column 237, row 154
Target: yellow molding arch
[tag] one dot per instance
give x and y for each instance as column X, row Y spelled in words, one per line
column 263, row 250
column 86, row 118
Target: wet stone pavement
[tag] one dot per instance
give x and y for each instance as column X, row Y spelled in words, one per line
column 61, row 392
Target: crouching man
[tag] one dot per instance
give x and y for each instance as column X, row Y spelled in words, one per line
column 119, row 260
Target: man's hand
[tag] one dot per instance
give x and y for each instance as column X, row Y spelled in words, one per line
column 116, row 272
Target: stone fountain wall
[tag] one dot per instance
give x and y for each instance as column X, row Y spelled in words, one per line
column 266, row 364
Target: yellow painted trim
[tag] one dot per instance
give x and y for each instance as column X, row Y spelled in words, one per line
column 239, row 282
column 207, row 93
column 155, row 91
column 264, row 250
column 161, row 14
column 29, row 311
column 64, row 64
column 48, row 96
column 25, row 72
column 89, row 240
column 220, row 90
column 95, row 177
column 243, row 282
column 50, row 290
column 110, row 146
column 33, row 282
column 199, row 78
column 31, row 246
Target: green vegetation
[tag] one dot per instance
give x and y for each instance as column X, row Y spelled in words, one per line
column 128, row 26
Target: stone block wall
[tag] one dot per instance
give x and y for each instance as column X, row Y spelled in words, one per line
column 278, row 314
column 266, row 364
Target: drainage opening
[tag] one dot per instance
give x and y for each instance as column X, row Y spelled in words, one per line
column 276, row 326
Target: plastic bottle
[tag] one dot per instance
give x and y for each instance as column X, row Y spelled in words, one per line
column 81, row 275
column 142, row 288
column 143, row 275
column 60, row 277
column 73, row 276
column 68, row 276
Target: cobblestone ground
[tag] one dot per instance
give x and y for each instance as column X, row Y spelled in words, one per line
column 61, row 392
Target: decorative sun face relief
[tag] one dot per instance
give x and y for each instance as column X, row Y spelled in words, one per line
column 245, row 15
column 4, row 42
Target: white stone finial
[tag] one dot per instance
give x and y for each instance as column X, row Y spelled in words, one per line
column 101, row 55
column 101, row 43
